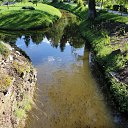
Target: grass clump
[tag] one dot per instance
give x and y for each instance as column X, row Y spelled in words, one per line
column 21, row 68
column 16, row 18
column 5, row 82
column 113, row 17
column 120, row 91
column 4, row 50
column 20, row 113
column 23, row 107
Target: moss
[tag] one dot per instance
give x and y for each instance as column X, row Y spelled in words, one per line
column 20, row 113
column 21, row 68
column 5, row 82
column 23, row 107
column 4, row 50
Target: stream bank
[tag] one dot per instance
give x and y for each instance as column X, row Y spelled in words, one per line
column 108, row 41
column 17, row 85
column 67, row 94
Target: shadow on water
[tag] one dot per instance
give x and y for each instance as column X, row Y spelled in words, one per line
column 67, row 95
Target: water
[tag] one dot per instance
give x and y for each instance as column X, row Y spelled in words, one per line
column 67, row 95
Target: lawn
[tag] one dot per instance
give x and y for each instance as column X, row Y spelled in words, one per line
column 16, row 18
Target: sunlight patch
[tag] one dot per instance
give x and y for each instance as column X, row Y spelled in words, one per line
column 51, row 59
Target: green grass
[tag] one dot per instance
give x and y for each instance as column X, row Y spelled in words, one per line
column 5, row 82
column 114, row 17
column 20, row 113
column 15, row 18
column 23, row 106
column 21, row 68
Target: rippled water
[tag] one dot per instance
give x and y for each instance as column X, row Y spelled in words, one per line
column 67, row 95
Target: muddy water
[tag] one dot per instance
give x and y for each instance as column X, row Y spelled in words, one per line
column 67, row 95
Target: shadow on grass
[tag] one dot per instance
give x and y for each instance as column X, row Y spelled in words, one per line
column 25, row 19
column 79, row 11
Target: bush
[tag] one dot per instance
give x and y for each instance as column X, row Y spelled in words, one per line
column 80, row 3
column 116, row 7
column 122, row 9
column 29, row 8
column 109, row 6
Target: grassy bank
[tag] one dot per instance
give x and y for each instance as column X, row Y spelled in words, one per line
column 16, row 18
column 101, row 34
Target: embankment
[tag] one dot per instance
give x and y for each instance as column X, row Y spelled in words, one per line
column 17, row 85
column 107, row 36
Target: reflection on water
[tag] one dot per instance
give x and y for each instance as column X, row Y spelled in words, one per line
column 67, row 94
column 70, row 98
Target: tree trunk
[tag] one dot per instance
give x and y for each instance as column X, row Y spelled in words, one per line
column 91, row 9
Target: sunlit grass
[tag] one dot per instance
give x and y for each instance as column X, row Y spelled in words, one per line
column 114, row 17
column 15, row 18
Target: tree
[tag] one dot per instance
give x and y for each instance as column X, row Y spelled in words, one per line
column 91, row 9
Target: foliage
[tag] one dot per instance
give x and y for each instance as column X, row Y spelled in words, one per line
column 21, row 68
column 120, row 91
column 107, row 3
column 112, row 17
column 23, row 107
column 20, row 113
column 80, row 3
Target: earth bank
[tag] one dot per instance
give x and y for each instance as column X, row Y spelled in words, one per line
column 17, row 84
column 107, row 36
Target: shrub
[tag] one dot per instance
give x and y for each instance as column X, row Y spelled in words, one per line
column 109, row 6
column 80, row 3
column 122, row 9
column 116, row 7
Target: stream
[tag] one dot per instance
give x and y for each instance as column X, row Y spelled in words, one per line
column 67, row 94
